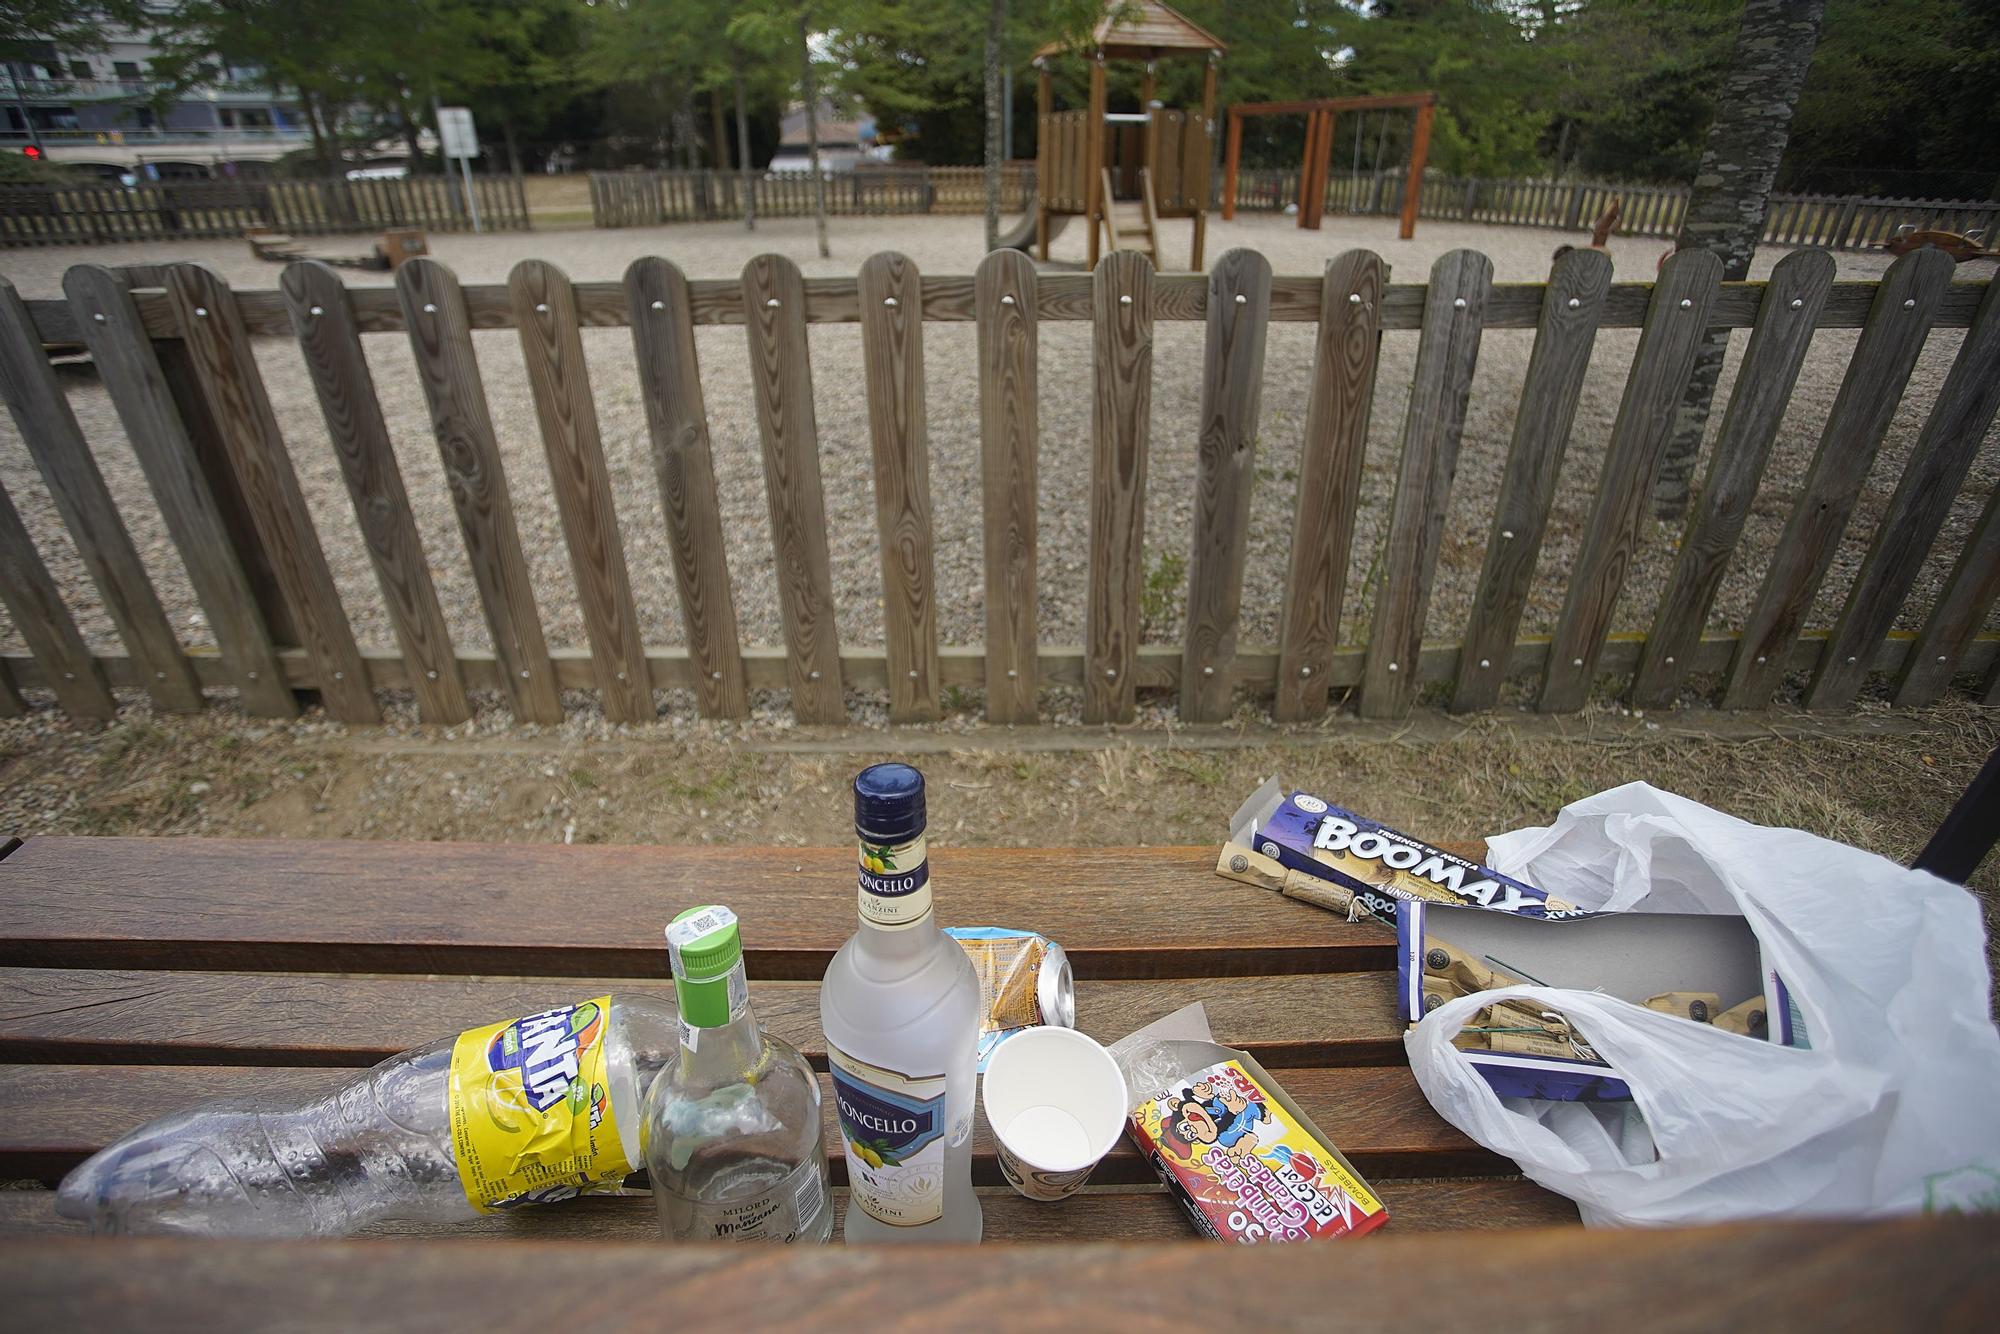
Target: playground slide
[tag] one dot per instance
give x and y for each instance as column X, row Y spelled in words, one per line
column 1023, row 235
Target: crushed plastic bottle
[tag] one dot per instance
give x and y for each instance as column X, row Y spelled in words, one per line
column 542, row 1108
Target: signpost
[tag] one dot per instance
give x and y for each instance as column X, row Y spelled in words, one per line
column 457, row 139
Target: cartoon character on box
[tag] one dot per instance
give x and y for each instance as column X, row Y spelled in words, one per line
column 1215, row 1111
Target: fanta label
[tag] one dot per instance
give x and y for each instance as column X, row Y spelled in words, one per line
column 530, row 1104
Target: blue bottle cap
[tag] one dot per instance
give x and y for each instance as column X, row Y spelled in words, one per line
column 889, row 803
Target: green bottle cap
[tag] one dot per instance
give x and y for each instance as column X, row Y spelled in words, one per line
column 706, row 952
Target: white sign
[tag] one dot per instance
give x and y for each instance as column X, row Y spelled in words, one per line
column 456, row 133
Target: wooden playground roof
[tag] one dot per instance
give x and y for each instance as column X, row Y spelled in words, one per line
column 1147, row 30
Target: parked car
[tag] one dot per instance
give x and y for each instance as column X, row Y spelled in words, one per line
column 380, row 171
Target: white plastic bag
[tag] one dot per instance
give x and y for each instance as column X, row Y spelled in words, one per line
column 1895, row 1108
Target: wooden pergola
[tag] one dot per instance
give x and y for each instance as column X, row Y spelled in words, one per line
column 1320, row 114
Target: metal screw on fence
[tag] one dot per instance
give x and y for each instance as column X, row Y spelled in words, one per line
column 771, row 304
column 1354, row 298
column 1394, row 668
column 1125, row 300
column 542, row 307
column 1507, row 534
column 888, row 300
column 659, row 305
column 319, row 310
column 201, row 312
column 1798, row 303
column 1006, row 300
column 1011, row 673
column 1486, row 662
column 430, row 308
column 99, row 317
column 1111, row 673
column 812, row 676
column 1574, row 302
column 1910, row 303
column 1576, row 662
column 1687, row 303
column 1458, row 303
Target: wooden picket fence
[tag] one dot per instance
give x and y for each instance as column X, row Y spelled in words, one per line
column 174, row 347
column 653, row 198
column 32, row 215
column 1838, row 222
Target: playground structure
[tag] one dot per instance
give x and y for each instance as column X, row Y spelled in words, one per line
column 1124, row 172
column 394, row 246
column 1320, row 115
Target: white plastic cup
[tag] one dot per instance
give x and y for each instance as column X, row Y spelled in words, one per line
column 1056, row 1102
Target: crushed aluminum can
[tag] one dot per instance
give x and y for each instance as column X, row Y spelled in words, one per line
column 1024, row 982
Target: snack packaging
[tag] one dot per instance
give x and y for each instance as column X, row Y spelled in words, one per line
column 1245, row 1163
column 1024, row 980
column 1367, row 867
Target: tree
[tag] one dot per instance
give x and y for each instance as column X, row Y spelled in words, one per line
column 1725, row 213
column 996, row 25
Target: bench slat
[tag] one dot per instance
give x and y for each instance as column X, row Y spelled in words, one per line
column 1129, row 1213
column 191, row 1018
column 598, row 911
column 54, row 1116
column 1914, row 1273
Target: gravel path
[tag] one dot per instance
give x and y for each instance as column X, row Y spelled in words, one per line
column 950, row 245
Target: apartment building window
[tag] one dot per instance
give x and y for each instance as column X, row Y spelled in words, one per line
column 126, row 70
column 80, row 69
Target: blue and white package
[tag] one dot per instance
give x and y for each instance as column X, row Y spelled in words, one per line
column 1381, row 866
column 1631, row 955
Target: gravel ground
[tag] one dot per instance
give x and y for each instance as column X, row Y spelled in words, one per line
column 950, row 245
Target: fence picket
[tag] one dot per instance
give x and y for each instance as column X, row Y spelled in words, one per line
column 440, row 336
column 1792, row 302
column 1239, row 314
column 1329, row 485
column 226, row 367
column 1968, row 596
column 1121, row 431
column 1009, row 439
column 1899, row 320
column 135, row 379
column 1675, row 320
column 1578, row 284
column 774, row 300
column 44, row 623
column 677, row 415
column 323, row 316
column 49, row 429
column 892, row 357
column 1939, row 461
column 1454, row 315
column 545, row 309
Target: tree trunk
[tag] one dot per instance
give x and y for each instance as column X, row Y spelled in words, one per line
column 311, row 108
column 743, row 172
column 996, row 13
column 1725, row 214
column 410, row 139
column 507, row 136
column 812, row 137
column 718, row 133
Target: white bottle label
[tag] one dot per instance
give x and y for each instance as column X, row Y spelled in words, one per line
column 895, row 890
column 786, row 1212
column 892, row 1126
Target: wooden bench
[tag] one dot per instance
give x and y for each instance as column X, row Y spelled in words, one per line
column 140, row 975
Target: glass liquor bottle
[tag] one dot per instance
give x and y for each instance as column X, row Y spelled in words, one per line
column 900, row 1007
column 732, row 1123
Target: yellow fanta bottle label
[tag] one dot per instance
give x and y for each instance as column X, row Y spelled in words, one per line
column 531, row 1116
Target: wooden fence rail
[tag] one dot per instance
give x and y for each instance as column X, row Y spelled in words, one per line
column 181, row 210
column 1836, row 222
column 652, row 198
column 211, row 449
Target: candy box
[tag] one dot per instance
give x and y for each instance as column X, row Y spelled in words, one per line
column 1373, row 867
column 1245, row 1163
